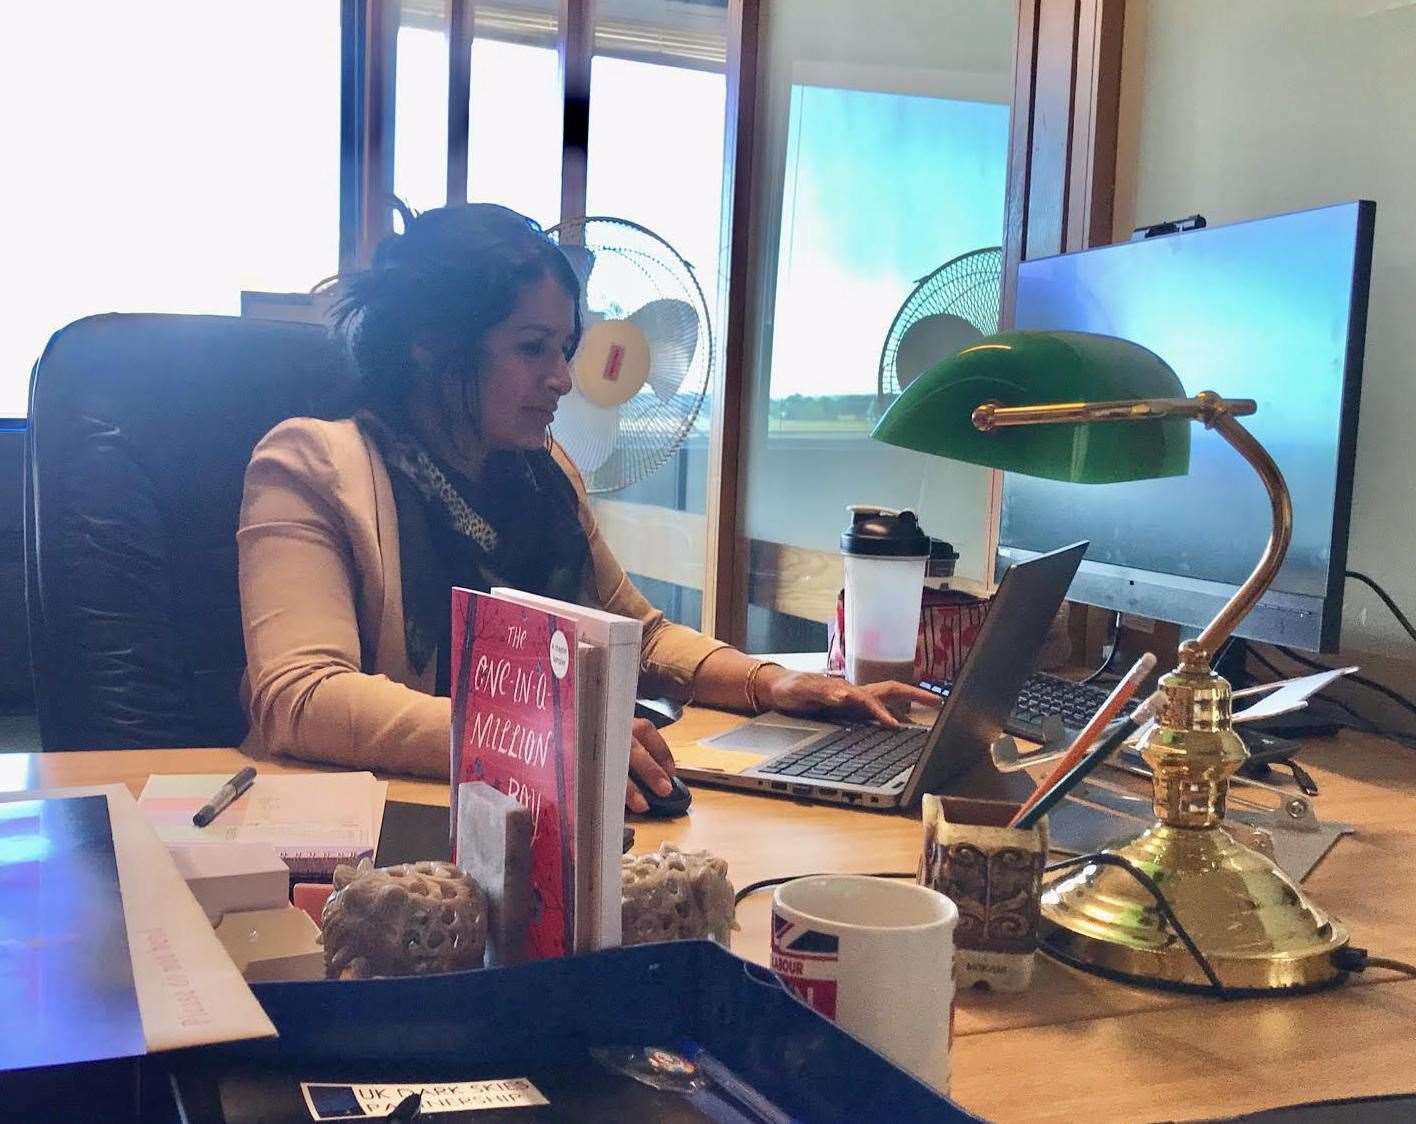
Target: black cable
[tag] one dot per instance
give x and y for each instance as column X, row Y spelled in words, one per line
column 1350, row 958
column 1361, row 680
column 1266, row 664
column 766, row 883
column 1367, row 725
column 1393, row 965
column 1111, row 651
column 1357, row 575
column 1103, row 858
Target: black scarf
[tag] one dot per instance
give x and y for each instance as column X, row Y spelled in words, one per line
column 518, row 525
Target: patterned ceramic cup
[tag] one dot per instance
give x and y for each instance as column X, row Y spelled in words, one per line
column 993, row 874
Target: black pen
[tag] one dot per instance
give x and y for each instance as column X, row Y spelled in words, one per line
column 225, row 796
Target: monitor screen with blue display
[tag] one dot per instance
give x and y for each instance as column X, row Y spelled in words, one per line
column 1275, row 310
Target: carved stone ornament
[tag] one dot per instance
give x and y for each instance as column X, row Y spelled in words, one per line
column 406, row 920
column 671, row 895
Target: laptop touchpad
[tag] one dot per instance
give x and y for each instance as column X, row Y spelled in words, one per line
column 763, row 737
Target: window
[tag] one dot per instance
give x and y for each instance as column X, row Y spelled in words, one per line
column 420, row 105
column 883, row 154
column 880, row 189
column 657, row 102
column 152, row 172
column 514, row 151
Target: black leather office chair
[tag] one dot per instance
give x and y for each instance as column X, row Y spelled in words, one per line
column 140, row 428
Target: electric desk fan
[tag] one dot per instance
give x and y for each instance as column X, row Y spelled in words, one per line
column 641, row 372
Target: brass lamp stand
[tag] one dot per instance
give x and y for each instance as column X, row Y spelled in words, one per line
column 1253, row 924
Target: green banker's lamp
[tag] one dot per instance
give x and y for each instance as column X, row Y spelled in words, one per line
column 1049, row 404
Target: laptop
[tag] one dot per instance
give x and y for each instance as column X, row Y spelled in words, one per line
column 876, row 767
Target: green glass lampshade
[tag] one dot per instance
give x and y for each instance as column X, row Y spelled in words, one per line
column 935, row 412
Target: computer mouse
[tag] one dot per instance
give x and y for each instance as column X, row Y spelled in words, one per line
column 664, row 807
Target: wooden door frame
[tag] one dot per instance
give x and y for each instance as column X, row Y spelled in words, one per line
column 726, row 565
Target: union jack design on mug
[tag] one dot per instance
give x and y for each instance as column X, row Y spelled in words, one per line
column 806, row 960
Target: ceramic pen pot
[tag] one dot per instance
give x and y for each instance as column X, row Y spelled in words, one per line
column 993, row 873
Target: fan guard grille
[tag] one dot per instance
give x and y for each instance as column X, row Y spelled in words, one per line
column 968, row 286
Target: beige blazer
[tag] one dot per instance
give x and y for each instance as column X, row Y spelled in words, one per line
column 327, row 675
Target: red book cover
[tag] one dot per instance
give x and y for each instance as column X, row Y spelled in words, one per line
column 513, row 726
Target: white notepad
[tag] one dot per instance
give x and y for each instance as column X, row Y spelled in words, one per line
column 315, row 820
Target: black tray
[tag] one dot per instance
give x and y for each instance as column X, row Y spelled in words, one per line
column 540, row 1020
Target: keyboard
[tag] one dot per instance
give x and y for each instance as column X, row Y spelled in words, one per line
column 868, row 755
column 1044, row 696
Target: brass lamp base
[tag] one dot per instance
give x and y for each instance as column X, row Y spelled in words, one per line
column 1258, row 930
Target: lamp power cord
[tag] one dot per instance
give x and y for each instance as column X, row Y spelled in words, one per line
column 1349, row 958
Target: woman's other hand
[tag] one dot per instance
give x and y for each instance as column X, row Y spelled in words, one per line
column 651, row 761
column 797, row 692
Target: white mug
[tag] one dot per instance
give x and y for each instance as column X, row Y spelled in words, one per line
column 877, row 957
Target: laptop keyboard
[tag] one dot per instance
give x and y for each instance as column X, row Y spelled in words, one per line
column 869, row 755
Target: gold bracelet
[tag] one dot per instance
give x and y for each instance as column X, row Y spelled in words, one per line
column 750, row 687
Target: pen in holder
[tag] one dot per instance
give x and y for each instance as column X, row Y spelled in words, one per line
column 993, row 873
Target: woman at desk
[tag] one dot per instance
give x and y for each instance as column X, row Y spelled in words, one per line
column 445, row 472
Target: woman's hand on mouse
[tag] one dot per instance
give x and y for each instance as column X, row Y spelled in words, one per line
column 799, row 692
column 651, row 761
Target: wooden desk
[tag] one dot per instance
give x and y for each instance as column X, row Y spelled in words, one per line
column 1151, row 1055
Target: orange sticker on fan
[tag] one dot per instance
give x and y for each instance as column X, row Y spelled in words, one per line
column 613, row 361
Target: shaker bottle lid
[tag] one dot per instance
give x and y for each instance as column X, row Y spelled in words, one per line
column 882, row 532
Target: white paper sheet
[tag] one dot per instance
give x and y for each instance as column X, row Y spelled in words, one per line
column 307, row 814
column 189, row 992
column 1289, row 695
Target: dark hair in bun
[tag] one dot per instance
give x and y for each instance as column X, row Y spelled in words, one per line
column 453, row 274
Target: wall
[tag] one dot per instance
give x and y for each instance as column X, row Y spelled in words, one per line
column 1240, row 110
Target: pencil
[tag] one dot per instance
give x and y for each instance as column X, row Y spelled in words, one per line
column 1052, row 796
column 1098, row 722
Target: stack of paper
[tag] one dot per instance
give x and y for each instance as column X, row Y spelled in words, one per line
column 315, row 820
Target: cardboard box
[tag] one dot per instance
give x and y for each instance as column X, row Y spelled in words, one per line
column 273, row 944
column 227, row 877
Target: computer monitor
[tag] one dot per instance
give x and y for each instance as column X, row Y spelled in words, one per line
column 1274, row 309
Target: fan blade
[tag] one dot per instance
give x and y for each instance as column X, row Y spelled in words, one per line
column 612, row 363
column 930, row 340
column 586, row 432
column 671, row 327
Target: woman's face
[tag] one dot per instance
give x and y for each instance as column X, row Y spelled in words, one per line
column 522, row 371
